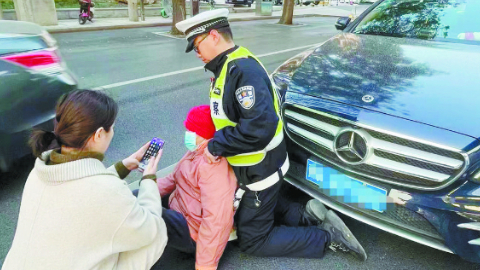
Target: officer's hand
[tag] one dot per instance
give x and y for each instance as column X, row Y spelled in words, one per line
column 210, row 158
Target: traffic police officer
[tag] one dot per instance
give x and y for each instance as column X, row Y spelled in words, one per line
column 245, row 109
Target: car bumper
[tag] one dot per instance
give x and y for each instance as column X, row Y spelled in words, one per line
column 33, row 109
column 15, row 145
column 239, row 2
column 439, row 220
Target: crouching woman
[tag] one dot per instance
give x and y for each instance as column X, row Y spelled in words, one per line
column 77, row 214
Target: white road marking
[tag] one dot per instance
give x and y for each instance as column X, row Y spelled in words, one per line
column 166, row 34
column 288, row 50
column 144, row 79
column 163, row 75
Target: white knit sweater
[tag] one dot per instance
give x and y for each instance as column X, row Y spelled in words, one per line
column 80, row 215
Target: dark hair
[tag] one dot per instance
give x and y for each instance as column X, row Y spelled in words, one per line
column 78, row 115
column 226, row 33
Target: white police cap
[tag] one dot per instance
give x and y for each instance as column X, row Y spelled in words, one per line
column 202, row 23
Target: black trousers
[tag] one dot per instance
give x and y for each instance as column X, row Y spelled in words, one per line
column 84, row 8
column 277, row 228
column 178, row 232
column 177, row 228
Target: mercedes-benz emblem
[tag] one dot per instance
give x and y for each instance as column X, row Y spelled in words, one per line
column 368, row 98
column 351, row 146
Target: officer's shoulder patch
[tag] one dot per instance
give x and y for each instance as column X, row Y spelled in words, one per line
column 246, row 96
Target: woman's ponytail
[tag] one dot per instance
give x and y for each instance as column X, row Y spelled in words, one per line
column 77, row 117
column 41, row 141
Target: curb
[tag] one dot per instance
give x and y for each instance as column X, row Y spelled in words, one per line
column 141, row 24
column 105, row 27
column 278, row 17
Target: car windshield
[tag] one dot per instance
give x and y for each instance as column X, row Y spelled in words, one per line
column 15, row 44
column 443, row 20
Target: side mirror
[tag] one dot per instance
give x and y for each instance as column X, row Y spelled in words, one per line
column 342, row 23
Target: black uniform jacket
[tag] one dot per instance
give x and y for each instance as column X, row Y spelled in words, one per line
column 256, row 125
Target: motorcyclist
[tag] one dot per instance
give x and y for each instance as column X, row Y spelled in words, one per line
column 85, row 5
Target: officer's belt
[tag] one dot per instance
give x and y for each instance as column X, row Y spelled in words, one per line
column 271, row 180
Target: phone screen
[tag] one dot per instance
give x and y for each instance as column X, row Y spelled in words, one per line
column 155, row 145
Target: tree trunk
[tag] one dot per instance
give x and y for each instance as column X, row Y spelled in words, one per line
column 41, row 12
column 133, row 10
column 178, row 15
column 287, row 14
column 258, row 7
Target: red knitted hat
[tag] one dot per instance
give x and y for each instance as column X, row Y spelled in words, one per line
column 200, row 121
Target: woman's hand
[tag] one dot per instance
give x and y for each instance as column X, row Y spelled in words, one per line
column 133, row 161
column 153, row 164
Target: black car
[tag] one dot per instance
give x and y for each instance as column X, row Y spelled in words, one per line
column 308, row 2
column 383, row 121
column 32, row 78
column 240, row 2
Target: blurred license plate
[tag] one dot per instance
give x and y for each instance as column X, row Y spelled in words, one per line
column 345, row 189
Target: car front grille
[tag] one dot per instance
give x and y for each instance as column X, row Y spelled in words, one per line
column 373, row 154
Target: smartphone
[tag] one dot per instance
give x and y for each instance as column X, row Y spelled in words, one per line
column 155, row 145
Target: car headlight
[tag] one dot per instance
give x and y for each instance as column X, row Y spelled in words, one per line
column 280, row 82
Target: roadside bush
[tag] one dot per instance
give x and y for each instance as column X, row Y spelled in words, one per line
column 74, row 3
column 8, row 4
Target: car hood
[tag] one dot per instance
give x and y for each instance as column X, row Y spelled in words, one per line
column 436, row 83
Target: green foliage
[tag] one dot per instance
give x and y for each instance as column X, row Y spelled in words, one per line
column 8, row 4
column 412, row 19
column 74, row 3
column 66, row 3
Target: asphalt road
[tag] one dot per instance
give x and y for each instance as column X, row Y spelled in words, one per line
column 156, row 106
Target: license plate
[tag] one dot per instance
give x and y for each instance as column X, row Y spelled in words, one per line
column 345, row 189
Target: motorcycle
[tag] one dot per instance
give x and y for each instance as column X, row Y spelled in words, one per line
column 86, row 11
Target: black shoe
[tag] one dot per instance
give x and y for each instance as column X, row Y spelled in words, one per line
column 315, row 211
column 341, row 237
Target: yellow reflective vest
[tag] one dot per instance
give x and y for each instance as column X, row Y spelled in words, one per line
column 221, row 120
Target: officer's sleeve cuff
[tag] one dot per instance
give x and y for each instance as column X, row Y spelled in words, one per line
column 211, row 149
column 121, row 170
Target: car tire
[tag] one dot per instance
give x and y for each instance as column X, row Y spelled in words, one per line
column 81, row 19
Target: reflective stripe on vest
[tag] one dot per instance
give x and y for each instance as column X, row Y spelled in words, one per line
column 221, row 120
